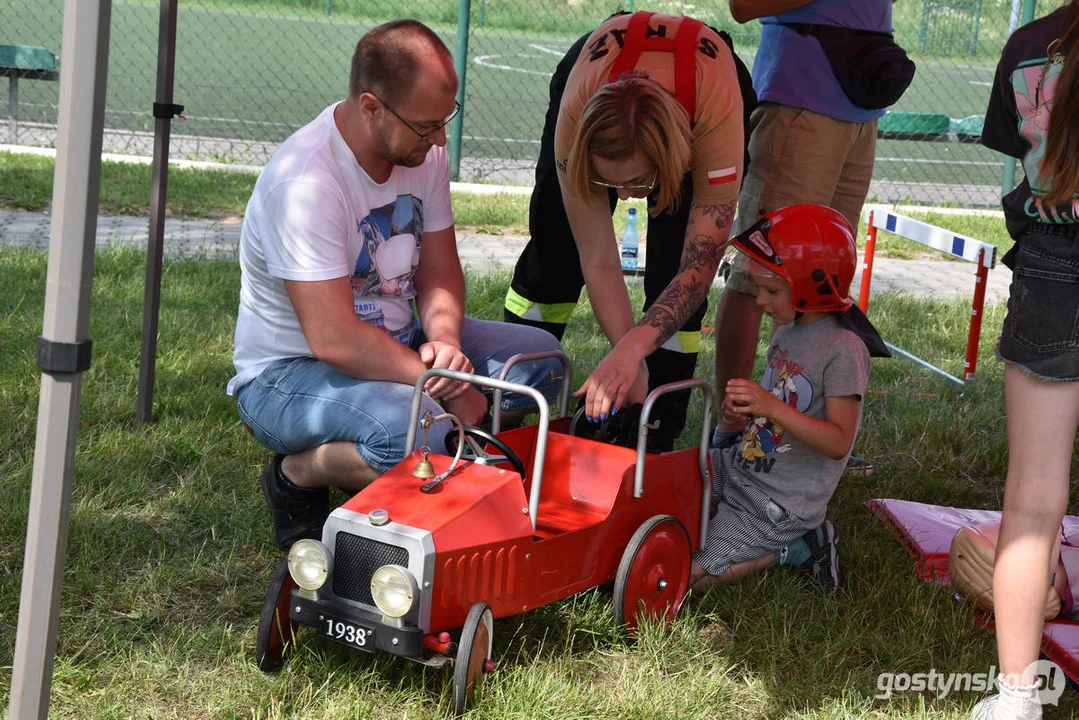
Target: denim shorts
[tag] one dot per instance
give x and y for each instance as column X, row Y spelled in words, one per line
column 298, row 403
column 1041, row 329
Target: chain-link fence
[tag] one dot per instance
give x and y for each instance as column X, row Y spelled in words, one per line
column 250, row 72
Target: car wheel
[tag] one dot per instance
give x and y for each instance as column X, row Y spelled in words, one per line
column 653, row 577
column 473, row 660
column 276, row 631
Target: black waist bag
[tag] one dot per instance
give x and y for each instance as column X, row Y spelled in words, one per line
column 871, row 68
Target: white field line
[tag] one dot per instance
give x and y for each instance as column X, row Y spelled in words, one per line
column 928, row 161
column 541, row 48
column 482, row 60
column 505, row 140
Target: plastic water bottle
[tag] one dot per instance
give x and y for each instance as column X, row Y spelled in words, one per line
column 630, row 241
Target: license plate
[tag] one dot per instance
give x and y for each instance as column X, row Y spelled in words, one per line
column 354, row 635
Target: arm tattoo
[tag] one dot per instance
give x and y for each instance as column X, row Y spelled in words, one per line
column 702, row 250
column 673, row 307
column 723, row 214
column 685, row 293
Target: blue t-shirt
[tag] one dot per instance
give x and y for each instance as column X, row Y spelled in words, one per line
column 792, row 70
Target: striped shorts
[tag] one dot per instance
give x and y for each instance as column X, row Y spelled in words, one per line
column 746, row 525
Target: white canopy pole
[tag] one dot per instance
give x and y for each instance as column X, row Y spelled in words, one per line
column 63, row 351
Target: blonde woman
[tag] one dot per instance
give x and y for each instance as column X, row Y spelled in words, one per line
column 646, row 106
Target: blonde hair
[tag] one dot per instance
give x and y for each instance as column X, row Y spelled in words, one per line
column 630, row 115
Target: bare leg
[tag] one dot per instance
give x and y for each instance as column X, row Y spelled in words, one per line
column 700, row 579
column 334, row 464
column 738, row 320
column 1042, row 420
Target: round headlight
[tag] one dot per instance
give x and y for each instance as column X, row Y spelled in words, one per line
column 394, row 590
column 309, row 564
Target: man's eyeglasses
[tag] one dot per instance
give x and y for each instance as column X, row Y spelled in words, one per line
column 632, row 187
column 420, row 135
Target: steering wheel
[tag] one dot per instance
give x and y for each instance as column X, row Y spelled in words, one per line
column 576, row 429
column 477, row 441
column 620, row 429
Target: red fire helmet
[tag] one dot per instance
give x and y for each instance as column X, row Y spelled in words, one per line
column 812, row 248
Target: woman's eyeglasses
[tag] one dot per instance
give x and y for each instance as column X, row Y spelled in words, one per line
column 628, row 187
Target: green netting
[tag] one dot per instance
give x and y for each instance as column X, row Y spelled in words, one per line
column 950, row 27
column 250, row 72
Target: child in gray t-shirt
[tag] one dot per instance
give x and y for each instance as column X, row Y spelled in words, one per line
column 771, row 482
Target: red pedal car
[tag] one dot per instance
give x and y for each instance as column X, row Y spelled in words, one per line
column 420, row 566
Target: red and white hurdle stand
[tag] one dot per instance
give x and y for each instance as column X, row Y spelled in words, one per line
column 982, row 254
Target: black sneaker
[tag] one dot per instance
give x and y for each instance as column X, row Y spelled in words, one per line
column 823, row 563
column 297, row 512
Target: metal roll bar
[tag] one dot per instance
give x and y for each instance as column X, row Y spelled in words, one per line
column 567, row 377
column 702, row 453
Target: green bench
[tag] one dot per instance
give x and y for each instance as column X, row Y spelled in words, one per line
column 24, row 61
column 929, row 126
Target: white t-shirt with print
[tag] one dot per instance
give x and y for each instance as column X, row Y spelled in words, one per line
column 315, row 214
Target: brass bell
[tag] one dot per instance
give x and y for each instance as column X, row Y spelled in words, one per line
column 424, row 469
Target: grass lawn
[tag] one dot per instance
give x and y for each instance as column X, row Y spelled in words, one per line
column 170, row 544
column 26, row 183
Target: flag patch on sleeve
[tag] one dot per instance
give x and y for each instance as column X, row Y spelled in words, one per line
column 720, row 177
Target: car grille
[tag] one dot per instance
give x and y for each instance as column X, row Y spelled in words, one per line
column 355, row 560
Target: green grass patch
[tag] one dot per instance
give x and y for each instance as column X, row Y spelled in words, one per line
column 170, row 545
column 26, row 184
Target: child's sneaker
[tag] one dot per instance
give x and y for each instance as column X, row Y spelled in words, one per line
column 823, row 563
column 297, row 512
column 1009, row 704
column 859, row 466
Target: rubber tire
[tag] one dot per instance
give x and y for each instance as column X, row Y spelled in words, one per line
column 473, row 651
column 628, row 571
column 276, row 632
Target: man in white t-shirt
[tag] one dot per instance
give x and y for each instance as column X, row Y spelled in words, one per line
column 352, row 288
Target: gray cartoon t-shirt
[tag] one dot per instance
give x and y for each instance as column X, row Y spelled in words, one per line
column 806, row 364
